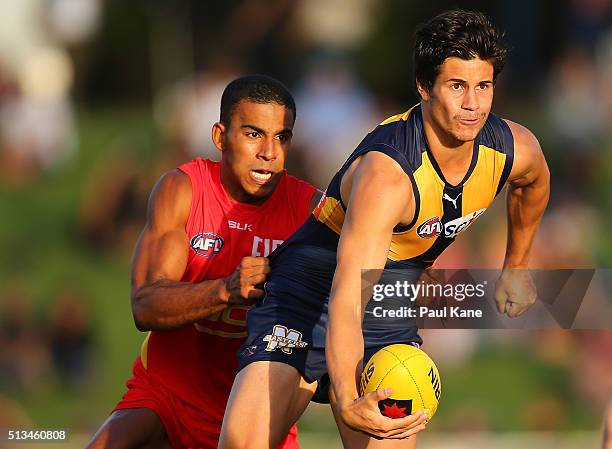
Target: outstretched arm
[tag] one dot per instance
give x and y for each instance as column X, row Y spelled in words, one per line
column 527, row 199
column 380, row 197
column 159, row 299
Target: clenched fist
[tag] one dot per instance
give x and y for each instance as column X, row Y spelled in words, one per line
column 515, row 292
column 241, row 283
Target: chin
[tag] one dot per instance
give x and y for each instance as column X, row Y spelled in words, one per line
column 466, row 135
column 261, row 193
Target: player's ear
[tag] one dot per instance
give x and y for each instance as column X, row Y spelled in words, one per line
column 218, row 132
column 422, row 90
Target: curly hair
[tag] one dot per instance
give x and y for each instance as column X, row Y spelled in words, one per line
column 462, row 34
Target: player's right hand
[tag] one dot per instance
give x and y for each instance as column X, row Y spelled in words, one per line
column 241, row 284
column 363, row 415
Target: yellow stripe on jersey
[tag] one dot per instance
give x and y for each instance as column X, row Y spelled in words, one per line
column 408, row 244
column 220, row 333
column 331, row 214
column 144, row 349
column 477, row 194
column 479, row 190
column 397, row 117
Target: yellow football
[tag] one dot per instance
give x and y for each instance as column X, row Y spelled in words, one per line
column 412, row 376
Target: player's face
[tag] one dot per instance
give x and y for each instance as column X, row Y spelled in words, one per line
column 460, row 99
column 254, row 147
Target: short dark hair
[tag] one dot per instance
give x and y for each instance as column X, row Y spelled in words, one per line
column 258, row 89
column 463, row 34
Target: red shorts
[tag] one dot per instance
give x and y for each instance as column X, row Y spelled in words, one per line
column 187, row 427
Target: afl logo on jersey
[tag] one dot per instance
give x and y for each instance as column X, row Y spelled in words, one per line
column 430, row 229
column 206, row 244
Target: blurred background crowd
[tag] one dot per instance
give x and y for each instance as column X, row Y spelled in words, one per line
column 99, row 97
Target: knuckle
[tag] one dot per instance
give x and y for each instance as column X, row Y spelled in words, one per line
column 385, row 428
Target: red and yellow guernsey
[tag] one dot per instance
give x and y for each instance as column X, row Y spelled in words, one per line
column 198, row 362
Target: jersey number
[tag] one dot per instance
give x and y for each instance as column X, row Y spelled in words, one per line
column 231, row 323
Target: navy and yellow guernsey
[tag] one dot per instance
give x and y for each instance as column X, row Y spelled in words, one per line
column 443, row 210
column 289, row 324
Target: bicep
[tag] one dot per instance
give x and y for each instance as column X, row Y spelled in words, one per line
column 162, row 249
column 159, row 255
column 380, row 195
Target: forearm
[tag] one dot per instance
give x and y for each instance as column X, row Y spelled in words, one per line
column 379, row 192
column 344, row 349
column 526, row 206
column 166, row 305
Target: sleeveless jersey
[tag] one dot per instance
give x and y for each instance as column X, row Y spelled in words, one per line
column 303, row 268
column 198, row 362
column 443, row 211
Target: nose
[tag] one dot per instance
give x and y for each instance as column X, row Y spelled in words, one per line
column 268, row 150
column 470, row 100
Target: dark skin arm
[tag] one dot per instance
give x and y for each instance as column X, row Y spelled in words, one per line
column 160, row 301
column 528, row 196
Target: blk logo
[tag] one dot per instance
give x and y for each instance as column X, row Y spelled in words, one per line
column 206, row 244
column 239, row 226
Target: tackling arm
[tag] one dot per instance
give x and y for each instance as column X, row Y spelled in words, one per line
column 159, row 299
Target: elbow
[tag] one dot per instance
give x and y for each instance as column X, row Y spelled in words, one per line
column 140, row 315
column 139, row 320
column 141, row 325
column 546, row 175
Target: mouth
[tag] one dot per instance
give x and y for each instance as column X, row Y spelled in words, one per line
column 469, row 121
column 261, row 176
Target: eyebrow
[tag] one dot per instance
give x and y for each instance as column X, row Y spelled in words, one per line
column 261, row 131
column 462, row 81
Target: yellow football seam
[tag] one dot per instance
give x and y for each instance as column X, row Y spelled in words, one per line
column 383, row 378
column 407, row 369
column 407, row 358
column 387, row 373
column 415, row 384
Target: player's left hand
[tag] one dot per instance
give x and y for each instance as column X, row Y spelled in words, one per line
column 515, row 292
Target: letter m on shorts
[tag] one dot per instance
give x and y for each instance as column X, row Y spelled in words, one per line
column 284, row 339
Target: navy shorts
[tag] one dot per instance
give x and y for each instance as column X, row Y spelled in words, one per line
column 288, row 325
